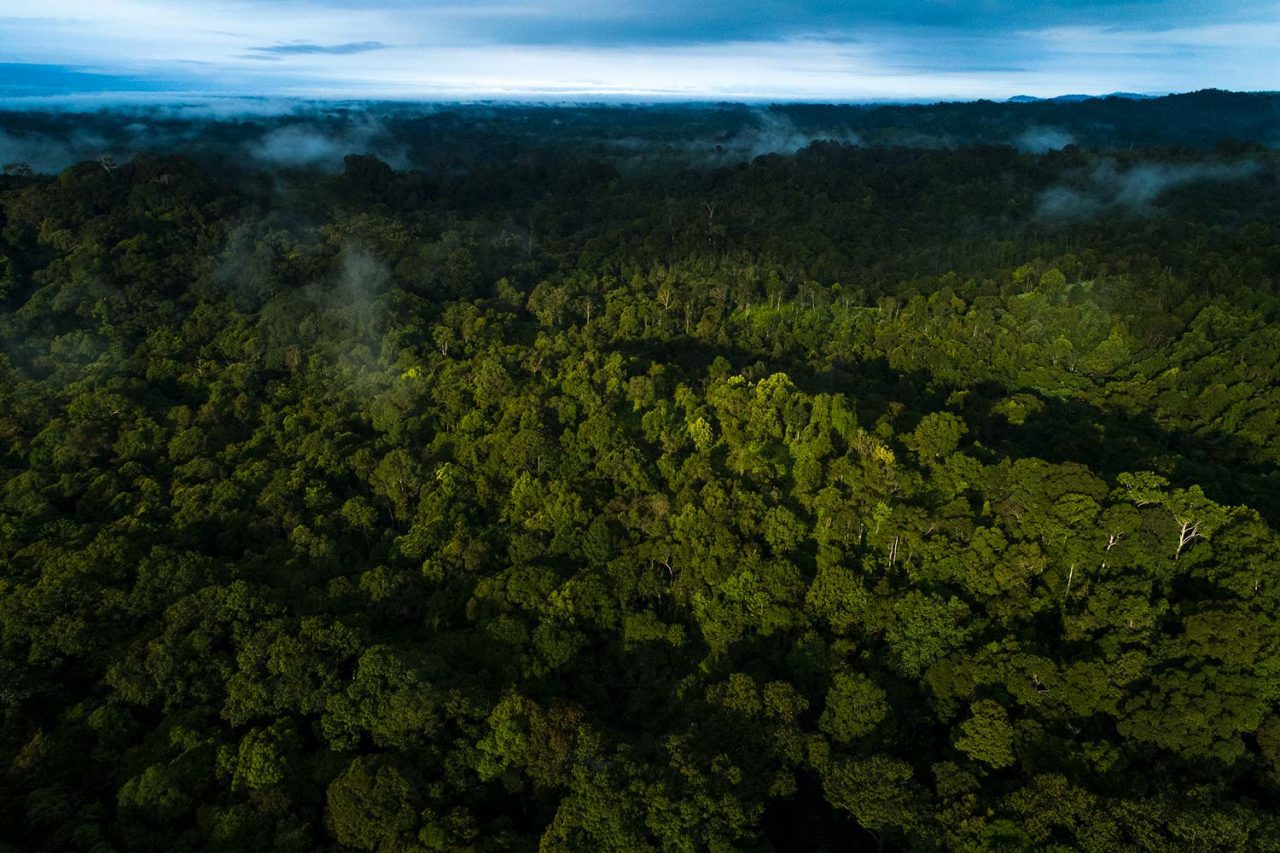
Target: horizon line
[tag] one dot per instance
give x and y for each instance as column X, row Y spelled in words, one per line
column 106, row 100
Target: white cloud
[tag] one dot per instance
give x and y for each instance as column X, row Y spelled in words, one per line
column 460, row 50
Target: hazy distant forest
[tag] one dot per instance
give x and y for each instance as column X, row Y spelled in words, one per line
column 700, row 477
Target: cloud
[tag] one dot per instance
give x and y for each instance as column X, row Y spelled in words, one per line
column 769, row 49
column 27, row 79
column 180, row 105
column 301, row 48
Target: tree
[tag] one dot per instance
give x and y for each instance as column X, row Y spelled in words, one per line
column 372, row 805
column 854, row 707
column 987, row 736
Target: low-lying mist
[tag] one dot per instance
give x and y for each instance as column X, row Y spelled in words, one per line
column 1108, row 188
column 275, row 134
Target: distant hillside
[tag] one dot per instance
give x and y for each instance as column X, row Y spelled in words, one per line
column 1197, row 119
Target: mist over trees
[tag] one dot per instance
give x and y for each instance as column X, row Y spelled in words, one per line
column 715, row 477
column 286, row 135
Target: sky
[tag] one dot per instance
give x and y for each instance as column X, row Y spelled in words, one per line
column 830, row 50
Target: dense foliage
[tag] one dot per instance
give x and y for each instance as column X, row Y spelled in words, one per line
column 868, row 497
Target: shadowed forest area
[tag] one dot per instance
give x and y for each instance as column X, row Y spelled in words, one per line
column 622, row 478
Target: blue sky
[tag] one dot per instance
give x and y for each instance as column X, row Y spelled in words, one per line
column 721, row 49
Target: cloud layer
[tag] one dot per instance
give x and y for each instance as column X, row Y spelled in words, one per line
column 768, row 49
column 276, row 51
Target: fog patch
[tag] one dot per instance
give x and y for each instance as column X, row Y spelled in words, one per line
column 762, row 133
column 355, row 308
column 47, row 153
column 317, row 145
column 1041, row 140
column 361, row 278
column 773, row 133
column 247, row 267
column 1107, row 189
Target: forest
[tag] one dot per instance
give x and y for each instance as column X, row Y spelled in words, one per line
column 568, row 478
